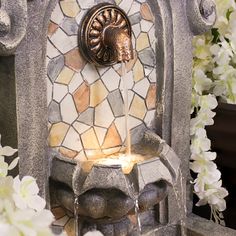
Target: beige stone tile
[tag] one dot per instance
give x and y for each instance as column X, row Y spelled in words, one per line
column 141, row 87
column 72, row 140
column 136, row 29
column 57, row 134
column 51, row 50
column 57, row 15
column 90, row 73
column 86, row 4
column 89, row 139
column 125, row 5
column 111, row 79
column 112, row 138
column 100, row 132
column 74, row 60
column 138, row 71
column 59, row 91
column 138, row 108
column 146, row 25
column 149, row 118
column 63, row 42
column 133, row 122
column 146, row 12
column 70, row 7
column 65, row 76
column 142, row 41
column 103, row 115
column 81, row 97
column 80, row 127
column 135, row 7
column 151, row 97
column 120, row 125
column 68, row 110
column 68, row 153
column 75, row 82
column 98, row 93
column 118, row 1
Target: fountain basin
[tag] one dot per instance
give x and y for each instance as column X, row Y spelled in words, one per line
column 106, row 194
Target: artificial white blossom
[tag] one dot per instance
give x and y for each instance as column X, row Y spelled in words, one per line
column 22, row 210
column 213, row 78
column 26, row 194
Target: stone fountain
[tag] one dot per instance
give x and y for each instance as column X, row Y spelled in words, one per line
column 67, row 111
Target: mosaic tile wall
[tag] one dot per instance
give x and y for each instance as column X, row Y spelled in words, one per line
column 85, row 103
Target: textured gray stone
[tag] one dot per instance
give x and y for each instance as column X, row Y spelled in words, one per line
column 134, row 19
column 54, row 67
column 13, row 23
column 70, row 26
column 87, row 117
column 116, row 103
column 198, row 226
column 147, row 57
column 54, row 114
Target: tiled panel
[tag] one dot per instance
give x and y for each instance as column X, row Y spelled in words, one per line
column 86, row 103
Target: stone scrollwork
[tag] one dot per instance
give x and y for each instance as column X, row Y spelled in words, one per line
column 13, row 22
column 201, row 15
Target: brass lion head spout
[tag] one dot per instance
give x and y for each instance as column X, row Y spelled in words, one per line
column 105, row 36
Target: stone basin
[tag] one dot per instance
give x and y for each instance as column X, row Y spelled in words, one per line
column 105, row 194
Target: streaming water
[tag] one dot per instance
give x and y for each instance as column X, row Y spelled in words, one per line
column 136, row 208
column 126, row 108
column 76, row 205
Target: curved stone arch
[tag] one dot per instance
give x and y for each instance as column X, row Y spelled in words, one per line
column 13, row 23
column 201, row 15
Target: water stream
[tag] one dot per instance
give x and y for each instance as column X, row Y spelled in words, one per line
column 76, row 214
column 136, row 208
column 126, row 108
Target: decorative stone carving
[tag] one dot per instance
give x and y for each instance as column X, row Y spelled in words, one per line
column 201, row 15
column 13, row 22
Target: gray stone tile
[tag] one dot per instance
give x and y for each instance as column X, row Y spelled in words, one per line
column 55, row 66
column 70, row 26
column 134, row 19
column 54, row 114
column 87, row 116
column 137, row 133
column 147, row 57
column 116, row 103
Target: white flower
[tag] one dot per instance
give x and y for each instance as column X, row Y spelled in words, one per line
column 28, row 222
column 206, row 177
column 214, row 195
column 6, row 187
column 26, row 194
column 203, row 162
column 208, row 102
column 200, row 81
column 200, row 142
column 201, row 47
